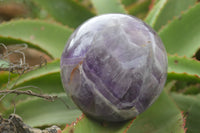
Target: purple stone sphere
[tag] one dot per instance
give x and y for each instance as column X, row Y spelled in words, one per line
column 114, row 66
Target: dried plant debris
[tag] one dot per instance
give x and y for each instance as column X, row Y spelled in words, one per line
column 19, row 63
column 28, row 92
column 15, row 124
column 14, row 60
column 19, row 66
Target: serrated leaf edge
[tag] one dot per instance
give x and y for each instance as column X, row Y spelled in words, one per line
column 183, row 119
column 55, row 21
column 129, row 125
column 123, row 6
column 184, row 122
column 134, row 4
column 175, row 18
column 156, row 16
column 38, row 20
column 73, row 124
column 184, row 73
column 119, row 1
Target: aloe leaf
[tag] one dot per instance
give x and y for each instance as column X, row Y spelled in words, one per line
column 3, row 74
column 49, row 36
column 47, row 84
column 154, row 13
column 165, row 10
column 191, row 106
column 92, row 126
column 45, row 80
column 139, row 9
column 105, row 6
column 162, row 117
column 67, row 12
column 38, row 112
column 3, row 78
column 192, row 89
column 184, row 87
column 128, row 2
column 182, row 35
column 45, row 71
column 85, row 3
column 183, row 68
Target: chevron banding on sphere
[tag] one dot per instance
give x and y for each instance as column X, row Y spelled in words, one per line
column 114, row 66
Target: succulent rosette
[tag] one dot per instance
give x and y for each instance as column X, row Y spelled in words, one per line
column 114, row 66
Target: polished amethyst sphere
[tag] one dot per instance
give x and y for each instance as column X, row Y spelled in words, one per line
column 113, row 67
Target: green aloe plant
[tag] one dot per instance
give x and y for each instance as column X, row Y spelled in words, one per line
column 46, row 28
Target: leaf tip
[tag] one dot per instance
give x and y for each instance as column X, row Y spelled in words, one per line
column 71, row 127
